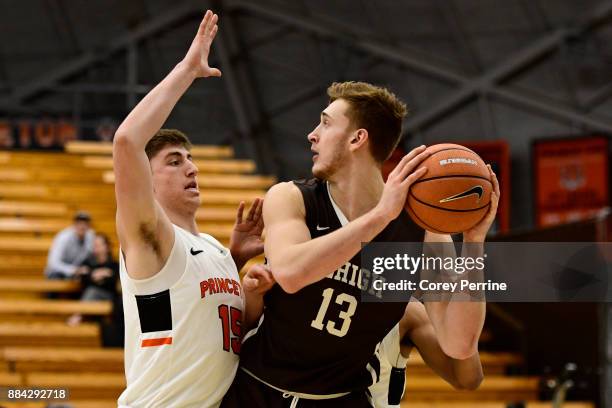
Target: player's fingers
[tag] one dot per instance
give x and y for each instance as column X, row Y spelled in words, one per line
column 411, row 165
column 215, row 72
column 210, row 26
column 257, row 209
column 253, row 210
column 414, row 176
column 240, row 212
column 213, row 32
column 204, row 23
column 411, row 155
column 249, row 283
column 495, row 181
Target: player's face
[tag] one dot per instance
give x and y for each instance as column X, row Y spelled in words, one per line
column 80, row 228
column 174, row 179
column 99, row 247
column 329, row 140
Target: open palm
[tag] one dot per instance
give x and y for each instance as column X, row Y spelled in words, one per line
column 197, row 56
column 246, row 242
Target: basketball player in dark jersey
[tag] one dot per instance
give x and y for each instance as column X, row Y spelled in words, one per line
column 315, row 345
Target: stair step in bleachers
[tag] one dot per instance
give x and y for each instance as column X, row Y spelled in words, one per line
column 492, row 363
column 204, row 166
column 29, row 359
column 106, row 148
column 492, row 388
column 48, row 227
column 86, row 195
column 33, row 209
column 23, row 310
column 231, row 181
column 48, row 334
column 52, row 177
column 38, row 285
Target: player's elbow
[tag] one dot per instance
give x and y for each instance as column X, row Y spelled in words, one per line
column 125, row 146
column 121, row 142
column 469, row 382
column 287, row 279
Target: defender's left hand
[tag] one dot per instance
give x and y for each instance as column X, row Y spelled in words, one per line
column 246, row 242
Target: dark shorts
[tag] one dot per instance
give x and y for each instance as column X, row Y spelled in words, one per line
column 247, row 392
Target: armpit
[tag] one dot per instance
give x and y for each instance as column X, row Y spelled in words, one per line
column 149, row 237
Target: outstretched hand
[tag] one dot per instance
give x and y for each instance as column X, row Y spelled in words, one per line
column 246, row 242
column 197, row 56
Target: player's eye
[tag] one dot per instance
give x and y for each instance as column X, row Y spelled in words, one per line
column 174, row 163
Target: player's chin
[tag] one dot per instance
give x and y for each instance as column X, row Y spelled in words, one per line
column 193, row 198
column 318, row 171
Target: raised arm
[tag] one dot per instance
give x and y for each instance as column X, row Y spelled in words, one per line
column 296, row 260
column 142, row 226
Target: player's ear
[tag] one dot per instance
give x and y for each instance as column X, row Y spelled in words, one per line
column 358, row 138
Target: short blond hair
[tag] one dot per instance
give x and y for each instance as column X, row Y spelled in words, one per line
column 375, row 109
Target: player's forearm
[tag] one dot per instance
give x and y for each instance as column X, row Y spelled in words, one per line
column 467, row 373
column 458, row 325
column 458, row 317
column 299, row 265
column 253, row 310
column 239, row 261
column 152, row 111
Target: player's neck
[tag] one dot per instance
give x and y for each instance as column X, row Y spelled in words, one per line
column 184, row 220
column 357, row 191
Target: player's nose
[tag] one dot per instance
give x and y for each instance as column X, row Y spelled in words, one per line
column 313, row 137
column 192, row 168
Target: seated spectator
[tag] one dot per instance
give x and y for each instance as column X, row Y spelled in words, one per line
column 99, row 274
column 70, row 248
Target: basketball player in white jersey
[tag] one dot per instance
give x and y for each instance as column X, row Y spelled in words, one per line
column 183, row 299
column 416, row 331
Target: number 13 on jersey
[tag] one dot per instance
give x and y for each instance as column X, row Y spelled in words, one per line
column 345, row 315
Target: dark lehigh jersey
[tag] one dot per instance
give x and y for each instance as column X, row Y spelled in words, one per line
column 322, row 339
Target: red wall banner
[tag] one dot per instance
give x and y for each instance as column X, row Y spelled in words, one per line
column 571, row 179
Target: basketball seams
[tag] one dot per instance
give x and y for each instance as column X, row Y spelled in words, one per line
column 447, row 209
column 452, row 176
column 452, row 148
column 424, row 224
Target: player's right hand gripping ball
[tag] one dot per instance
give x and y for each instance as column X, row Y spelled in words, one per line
column 454, row 194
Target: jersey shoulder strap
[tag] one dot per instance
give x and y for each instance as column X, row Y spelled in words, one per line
column 314, row 194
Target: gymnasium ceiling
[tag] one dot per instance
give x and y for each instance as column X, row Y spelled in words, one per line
column 468, row 69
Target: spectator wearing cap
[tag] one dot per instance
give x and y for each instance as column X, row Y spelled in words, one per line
column 70, row 248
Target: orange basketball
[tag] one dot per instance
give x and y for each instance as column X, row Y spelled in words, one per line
column 454, row 194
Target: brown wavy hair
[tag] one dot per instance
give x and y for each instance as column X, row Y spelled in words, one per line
column 375, row 109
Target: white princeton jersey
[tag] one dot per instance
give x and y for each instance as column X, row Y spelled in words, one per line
column 182, row 327
column 390, row 358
